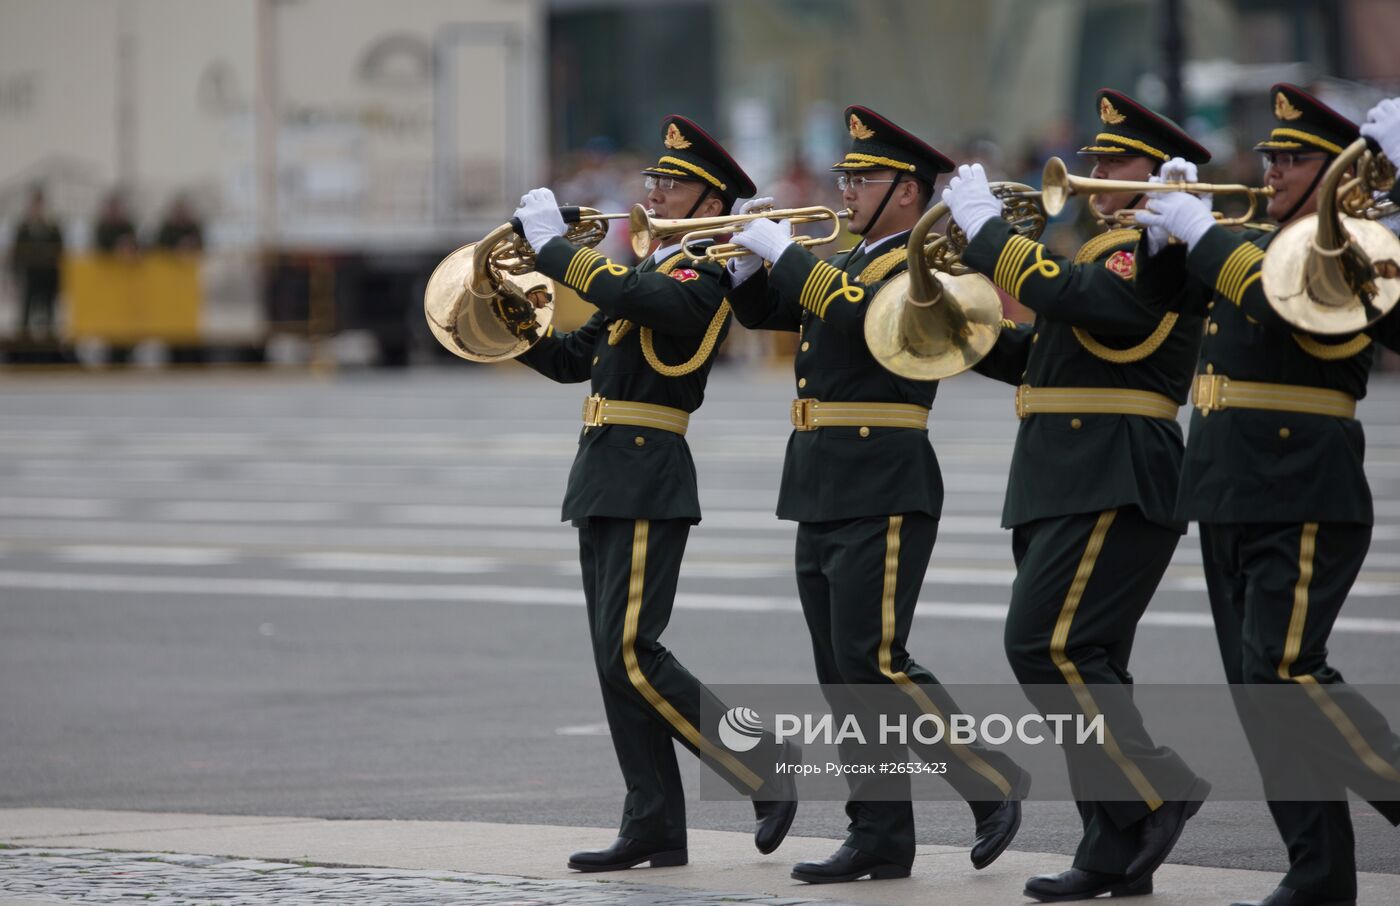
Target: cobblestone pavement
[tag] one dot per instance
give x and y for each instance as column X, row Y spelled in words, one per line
column 171, row 879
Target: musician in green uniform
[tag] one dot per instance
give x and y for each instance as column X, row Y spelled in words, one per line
column 1100, row 376
column 632, row 493
column 863, row 484
column 1274, row 474
column 1382, row 127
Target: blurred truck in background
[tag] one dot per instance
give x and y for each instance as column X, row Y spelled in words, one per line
column 334, row 149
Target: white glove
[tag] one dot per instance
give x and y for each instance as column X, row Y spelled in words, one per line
column 1185, row 216
column 1179, row 169
column 539, row 217
column 1383, row 125
column 970, row 199
column 1157, row 236
column 748, row 205
column 741, row 269
column 766, row 239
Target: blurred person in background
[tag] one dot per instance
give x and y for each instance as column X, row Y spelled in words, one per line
column 599, row 180
column 180, row 230
column 115, row 232
column 632, row 494
column 1100, row 376
column 863, row 484
column 35, row 256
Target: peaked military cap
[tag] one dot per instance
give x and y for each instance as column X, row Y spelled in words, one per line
column 1306, row 124
column 878, row 144
column 688, row 152
column 1129, row 128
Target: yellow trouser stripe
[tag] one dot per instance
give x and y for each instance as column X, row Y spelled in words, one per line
column 1060, row 640
column 644, row 686
column 1293, row 644
column 900, row 678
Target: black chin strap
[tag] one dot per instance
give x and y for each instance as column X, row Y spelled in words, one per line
column 704, row 193
column 894, row 184
column 1303, row 199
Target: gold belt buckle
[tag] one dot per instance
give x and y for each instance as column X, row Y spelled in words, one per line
column 1021, row 400
column 1209, row 395
column 593, row 411
column 802, row 414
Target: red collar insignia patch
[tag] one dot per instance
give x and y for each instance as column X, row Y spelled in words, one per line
column 1121, row 263
column 684, row 274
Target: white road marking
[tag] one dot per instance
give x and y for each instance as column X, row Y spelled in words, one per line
column 57, row 507
column 583, row 730
column 148, row 556
column 519, row 595
column 394, row 563
column 249, row 511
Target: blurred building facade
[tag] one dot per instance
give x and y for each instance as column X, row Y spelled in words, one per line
column 336, row 149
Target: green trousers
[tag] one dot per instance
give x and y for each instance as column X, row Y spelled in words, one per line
column 859, row 581
column 1082, row 583
column 1275, row 592
column 630, row 568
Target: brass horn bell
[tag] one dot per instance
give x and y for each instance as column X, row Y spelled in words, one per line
column 1337, row 271
column 486, row 303
column 938, row 318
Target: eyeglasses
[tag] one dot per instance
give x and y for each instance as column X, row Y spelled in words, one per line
column 1287, row 160
column 664, row 183
column 844, row 182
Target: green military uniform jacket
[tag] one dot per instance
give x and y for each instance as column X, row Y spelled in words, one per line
column 1088, row 314
column 840, row 473
column 624, row 471
column 1252, row 465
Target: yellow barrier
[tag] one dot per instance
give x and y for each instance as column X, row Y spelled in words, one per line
column 155, row 296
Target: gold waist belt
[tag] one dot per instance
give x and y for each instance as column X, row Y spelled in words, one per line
column 598, row 412
column 1213, row 392
column 1092, row 400
column 809, row 415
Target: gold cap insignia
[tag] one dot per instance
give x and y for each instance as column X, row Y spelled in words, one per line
column 674, row 139
column 1108, row 113
column 859, row 129
column 1284, row 109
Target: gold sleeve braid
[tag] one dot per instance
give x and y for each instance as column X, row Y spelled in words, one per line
column 1088, row 253
column 881, row 267
column 620, row 329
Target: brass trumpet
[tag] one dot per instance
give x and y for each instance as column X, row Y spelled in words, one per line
column 938, row 318
column 1058, row 184
column 647, row 229
column 486, row 303
column 1338, row 271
